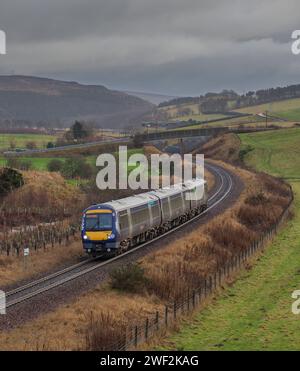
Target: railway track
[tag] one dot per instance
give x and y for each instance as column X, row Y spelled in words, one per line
column 35, row 288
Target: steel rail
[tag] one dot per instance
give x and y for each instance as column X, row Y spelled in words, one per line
column 57, row 283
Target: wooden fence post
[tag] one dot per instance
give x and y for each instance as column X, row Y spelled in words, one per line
column 146, row 328
column 166, row 316
column 136, row 336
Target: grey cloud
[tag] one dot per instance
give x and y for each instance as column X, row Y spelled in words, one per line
column 171, row 46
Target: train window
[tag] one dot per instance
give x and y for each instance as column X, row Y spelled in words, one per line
column 165, row 207
column 140, row 214
column 176, row 202
column 123, row 220
column 155, row 209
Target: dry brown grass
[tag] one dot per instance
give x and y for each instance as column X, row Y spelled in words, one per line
column 12, row 268
column 68, row 326
column 171, row 271
column 184, row 264
column 225, row 147
column 151, row 150
column 43, row 189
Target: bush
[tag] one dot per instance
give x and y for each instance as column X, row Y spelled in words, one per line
column 104, row 332
column 130, row 278
column 54, row 165
column 25, row 165
column 138, row 140
column 16, row 163
column 76, row 167
column 10, row 179
column 13, row 162
column 50, row 145
column 257, row 199
column 31, row 145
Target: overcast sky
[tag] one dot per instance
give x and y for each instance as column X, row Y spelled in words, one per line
column 176, row 47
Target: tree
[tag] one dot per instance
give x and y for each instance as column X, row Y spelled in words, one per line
column 12, row 144
column 81, row 130
column 50, row 145
column 10, row 179
column 138, row 140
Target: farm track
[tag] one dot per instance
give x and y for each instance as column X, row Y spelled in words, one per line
column 43, row 295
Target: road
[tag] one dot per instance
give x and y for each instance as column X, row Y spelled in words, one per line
column 28, row 302
column 29, row 152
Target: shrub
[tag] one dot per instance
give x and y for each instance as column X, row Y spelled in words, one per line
column 16, row 163
column 76, row 167
column 13, row 162
column 54, row 165
column 244, row 151
column 50, row 145
column 130, row 278
column 257, row 199
column 31, row 145
column 104, row 332
column 25, row 165
column 10, row 179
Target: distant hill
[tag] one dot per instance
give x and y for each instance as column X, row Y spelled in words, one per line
column 41, row 101
column 151, row 97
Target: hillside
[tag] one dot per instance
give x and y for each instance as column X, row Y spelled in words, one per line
column 287, row 109
column 255, row 312
column 37, row 101
column 275, row 152
column 281, row 102
column 150, row 97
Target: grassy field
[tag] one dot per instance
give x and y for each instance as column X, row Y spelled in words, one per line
column 255, row 313
column 174, row 113
column 41, row 163
column 20, row 140
column 275, row 152
column 288, row 109
column 200, row 117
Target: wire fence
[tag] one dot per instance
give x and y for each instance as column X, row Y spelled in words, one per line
column 37, row 237
column 11, row 217
column 140, row 333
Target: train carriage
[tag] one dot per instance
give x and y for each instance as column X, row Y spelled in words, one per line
column 115, row 226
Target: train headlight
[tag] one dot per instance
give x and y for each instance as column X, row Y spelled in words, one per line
column 85, row 237
column 111, row 236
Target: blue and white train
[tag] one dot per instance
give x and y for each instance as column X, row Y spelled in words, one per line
column 114, row 227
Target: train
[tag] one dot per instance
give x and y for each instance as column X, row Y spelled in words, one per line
column 114, row 227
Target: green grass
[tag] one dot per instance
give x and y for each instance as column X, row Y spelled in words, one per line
column 20, row 140
column 291, row 115
column 41, row 163
column 200, row 117
column 37, row 163
column 288, row 109
column 275, row 152
column 255, row 313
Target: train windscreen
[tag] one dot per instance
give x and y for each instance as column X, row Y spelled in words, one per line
column 98, row 222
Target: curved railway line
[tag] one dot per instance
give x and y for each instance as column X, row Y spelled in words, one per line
column 74, row 272
column 29, row 301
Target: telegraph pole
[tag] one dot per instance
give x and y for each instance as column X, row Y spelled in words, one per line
column 266, row 119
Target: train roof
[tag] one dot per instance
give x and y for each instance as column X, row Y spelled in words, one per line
column 132, row 201
column 148, row 197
